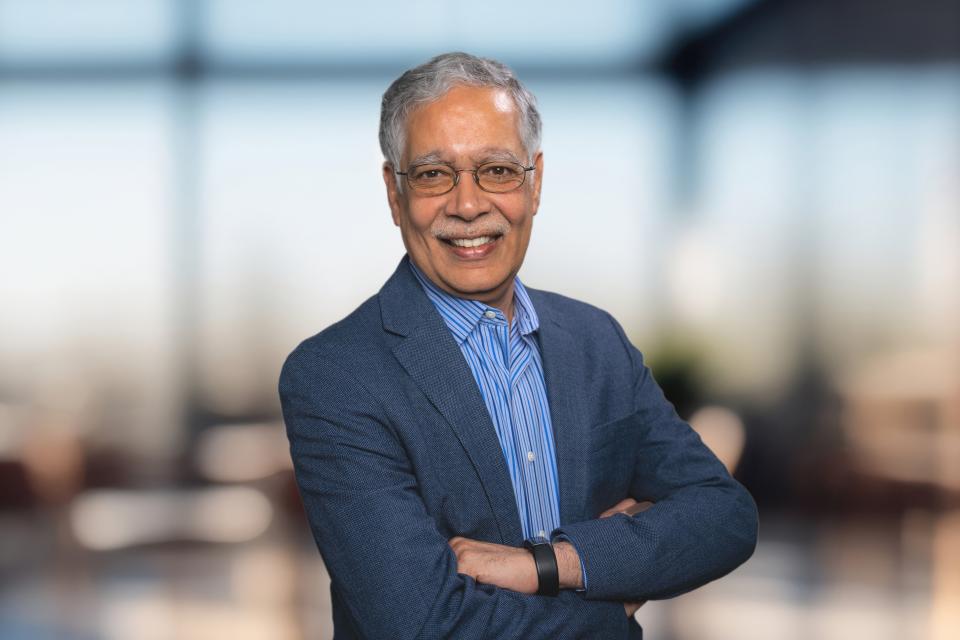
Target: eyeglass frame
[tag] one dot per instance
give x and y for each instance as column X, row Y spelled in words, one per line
column 457, row 172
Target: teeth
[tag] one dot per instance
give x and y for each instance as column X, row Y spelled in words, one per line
column 471, row 242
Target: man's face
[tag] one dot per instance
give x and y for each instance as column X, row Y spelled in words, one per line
column 465, row 128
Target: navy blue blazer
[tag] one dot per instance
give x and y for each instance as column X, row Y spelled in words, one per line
column 395, row 453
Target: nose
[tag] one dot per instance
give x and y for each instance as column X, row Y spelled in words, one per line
column 469, row 200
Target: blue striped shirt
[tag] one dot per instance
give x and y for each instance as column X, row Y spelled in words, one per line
column 505, row 361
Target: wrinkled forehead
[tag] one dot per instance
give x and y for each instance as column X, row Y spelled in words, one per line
column 465, row 121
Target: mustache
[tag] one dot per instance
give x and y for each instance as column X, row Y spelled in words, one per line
column 449, row 229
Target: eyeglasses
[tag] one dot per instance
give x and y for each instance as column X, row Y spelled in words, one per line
column 438, row 179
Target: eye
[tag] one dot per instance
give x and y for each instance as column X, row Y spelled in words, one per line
column 430, row 173
column 500, row 171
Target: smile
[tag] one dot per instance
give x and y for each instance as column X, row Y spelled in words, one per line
column 471, row 242
column 478, row 248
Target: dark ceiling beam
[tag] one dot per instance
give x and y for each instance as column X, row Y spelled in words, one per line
column 816, row 33
column 268, row 71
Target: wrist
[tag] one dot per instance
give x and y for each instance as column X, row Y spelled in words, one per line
column 569, row 566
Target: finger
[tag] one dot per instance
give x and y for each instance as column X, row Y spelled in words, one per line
column 619, row 507
column 633, row 607
column 639, row 507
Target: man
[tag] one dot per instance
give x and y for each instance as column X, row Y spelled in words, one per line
column 478, row 459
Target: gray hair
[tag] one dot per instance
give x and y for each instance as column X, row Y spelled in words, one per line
column 432, row 79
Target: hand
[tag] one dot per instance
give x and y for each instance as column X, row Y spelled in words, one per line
column 627, row 506
column 508, row 567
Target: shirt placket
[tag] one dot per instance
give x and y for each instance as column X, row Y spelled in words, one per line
column 526, row 452
column 499, row 350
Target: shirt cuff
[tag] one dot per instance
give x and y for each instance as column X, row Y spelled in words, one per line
column 562, row 538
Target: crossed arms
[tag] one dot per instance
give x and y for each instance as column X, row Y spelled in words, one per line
column 396, row 575
column 513, row 568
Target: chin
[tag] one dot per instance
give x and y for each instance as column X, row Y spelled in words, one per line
column 472, row 280
column 477, row 287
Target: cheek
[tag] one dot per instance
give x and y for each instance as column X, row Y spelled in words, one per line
column 521, row 216
column 418, row 224
column 418, row 220
column 520, row 207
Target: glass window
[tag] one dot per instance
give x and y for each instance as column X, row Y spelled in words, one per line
column 107, row 31
column 401, row 33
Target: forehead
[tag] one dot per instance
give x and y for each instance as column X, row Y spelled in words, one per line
column 464, row 122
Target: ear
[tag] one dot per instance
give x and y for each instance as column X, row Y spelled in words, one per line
column 537, row 180
column 393, row 191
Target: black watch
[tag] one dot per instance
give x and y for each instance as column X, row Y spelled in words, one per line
column 548, row 574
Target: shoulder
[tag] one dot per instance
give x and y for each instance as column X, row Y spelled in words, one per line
column 358, row 351
column 575, row 315
column 556, row 305
column 589, row 325
column 357, row 338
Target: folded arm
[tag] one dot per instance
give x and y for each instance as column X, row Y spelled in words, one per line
column 702, row 525
column 396, row 574
column 513, row 567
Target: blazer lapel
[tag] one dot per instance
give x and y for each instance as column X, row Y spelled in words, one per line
column 561, row 357
column 431, row 357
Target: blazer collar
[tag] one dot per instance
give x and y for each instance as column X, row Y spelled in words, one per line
column 432, row 358
column 562, row 354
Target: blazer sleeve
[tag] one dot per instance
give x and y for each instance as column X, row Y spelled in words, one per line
column 703, row 523
column 394, row 572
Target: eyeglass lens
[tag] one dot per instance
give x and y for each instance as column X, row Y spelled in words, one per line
column 497, row 177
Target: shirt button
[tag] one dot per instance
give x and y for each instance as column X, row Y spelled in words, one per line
column 490, row 313
column 530, row 456
column 543, row 534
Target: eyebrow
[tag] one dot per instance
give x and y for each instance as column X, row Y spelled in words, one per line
column 486, row 154
column 497, row 153
column 432, row 157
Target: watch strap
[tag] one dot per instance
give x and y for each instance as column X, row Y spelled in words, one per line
column 548, row 573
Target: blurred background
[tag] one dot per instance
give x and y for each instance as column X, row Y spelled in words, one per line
column 190, row 188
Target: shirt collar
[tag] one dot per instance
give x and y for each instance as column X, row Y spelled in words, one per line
column 462, row 315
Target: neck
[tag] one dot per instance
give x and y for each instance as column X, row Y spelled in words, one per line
column 504, row 302
column 500, row 298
